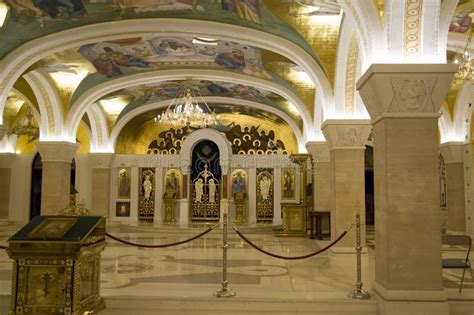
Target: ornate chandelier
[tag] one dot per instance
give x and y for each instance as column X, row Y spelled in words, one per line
column 185, row 110
column 464, row 62
column 26, row 127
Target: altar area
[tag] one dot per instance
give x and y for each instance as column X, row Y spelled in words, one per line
column 182, row 279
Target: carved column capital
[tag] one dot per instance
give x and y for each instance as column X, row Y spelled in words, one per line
column 3, row 131
column 346, row 134
column 319, row 150
column 57, row 151
column 102, row 160
column 452, row 152
column 405, row 90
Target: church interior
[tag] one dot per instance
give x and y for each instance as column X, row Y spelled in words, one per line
column 236, row 157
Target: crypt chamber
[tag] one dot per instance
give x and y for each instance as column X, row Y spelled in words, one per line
column 280, row 128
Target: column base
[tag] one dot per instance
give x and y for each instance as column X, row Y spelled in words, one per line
column 410, row 302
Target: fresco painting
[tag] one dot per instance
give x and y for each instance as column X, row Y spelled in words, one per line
column 169, row 90
column 461, row 22
column 114, row 58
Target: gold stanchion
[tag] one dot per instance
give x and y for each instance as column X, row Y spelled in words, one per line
column 224, row 291
column 358, row 293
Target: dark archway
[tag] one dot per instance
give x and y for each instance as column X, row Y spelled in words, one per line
column 36, row 179
column 205, row 182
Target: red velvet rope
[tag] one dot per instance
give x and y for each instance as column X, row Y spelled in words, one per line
column 294, row 257
column 163, row 245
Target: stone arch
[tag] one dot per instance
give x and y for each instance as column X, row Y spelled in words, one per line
column 79, row 107
column 122, row 122
column 18, row 61
column 225, row 149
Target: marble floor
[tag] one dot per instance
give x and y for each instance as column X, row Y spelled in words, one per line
column 182, row 279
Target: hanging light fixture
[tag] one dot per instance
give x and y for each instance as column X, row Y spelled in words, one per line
column 185, row 109
column 464, row 62
column 26, row 127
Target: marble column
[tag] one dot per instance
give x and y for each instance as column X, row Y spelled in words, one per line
column 101, row 182
column 453, row 158
column 322, row 179
column 346, row 140
column 56, row 181
column 252, row 194
column 403, row 101
column 3, row 131
column 468, row 151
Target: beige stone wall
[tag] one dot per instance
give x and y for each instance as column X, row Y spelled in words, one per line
column 100, row 191
column 5, row 174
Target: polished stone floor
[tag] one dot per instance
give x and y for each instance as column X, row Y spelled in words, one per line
column 185, row 277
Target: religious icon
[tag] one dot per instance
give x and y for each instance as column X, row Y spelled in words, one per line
column 172, row 180
column 239, row 178
column 124, row 183
column 147, row 187
column 264, row 195
column 288, row 184
column 146, row 198
column 122, row 209
column 212, row 191
column 199, row 188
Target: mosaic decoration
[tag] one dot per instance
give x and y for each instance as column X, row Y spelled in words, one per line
column 462, row 22
column 173, row 182
column 114, row 58
column 124, row 183
column 146, row 194
column 122, row 209
column 264, row 194
column 247, row 140
column 41, row 17
column 288, row 184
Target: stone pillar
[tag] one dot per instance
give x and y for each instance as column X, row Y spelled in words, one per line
column 101, row 182
column 453, row 158
column 277, row 215
column 346, row 140
column 468, row 187
column 403, row 102
column 3, row 131
column 252, row 194
column 6, row 163
column 322, row 179
column 55, row 187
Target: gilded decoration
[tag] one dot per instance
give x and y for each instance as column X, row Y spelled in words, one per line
column 123, row 187
column 244, row 140
column 205, row 196
column 173, row 183
column 239, row 181
column 146, row 194
column 288, row 184
column 265, row 195
column 412, row 36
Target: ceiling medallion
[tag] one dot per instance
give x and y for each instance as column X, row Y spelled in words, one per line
column 185, row 109
column 464, row 63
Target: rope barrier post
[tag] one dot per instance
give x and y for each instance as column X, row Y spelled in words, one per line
column 358, row 293
column 224, row 291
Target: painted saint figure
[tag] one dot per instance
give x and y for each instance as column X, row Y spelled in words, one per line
column 123, row 179
column 199, row 188
column 265, row 183
column 212, row 191
column 172, row 183
column 147, row 187
column 239, row 183
column 288, row 185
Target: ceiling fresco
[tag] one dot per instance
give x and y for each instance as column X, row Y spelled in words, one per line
column 461, row 21
column 146, row 94
column 140, row 132
column 41, row 17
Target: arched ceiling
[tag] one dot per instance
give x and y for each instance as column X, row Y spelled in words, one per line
column 281, row 54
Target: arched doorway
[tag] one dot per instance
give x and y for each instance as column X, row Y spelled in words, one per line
column 205, row 182
column 369, row 186
column 36, row 178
